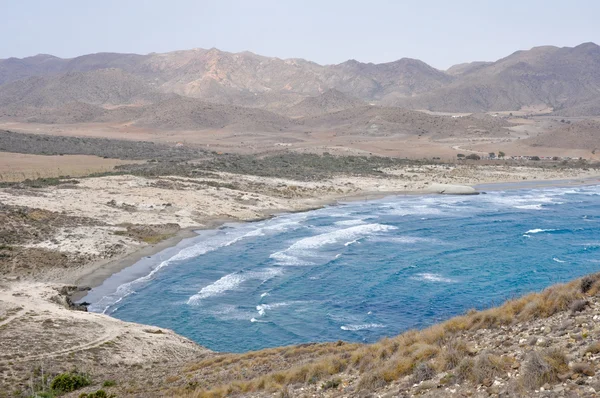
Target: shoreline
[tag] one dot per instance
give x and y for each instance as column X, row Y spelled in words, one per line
column 98, row 274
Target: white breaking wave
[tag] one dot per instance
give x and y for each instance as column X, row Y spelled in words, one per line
column 362, row 327
column 414, row 210
column 254, row 320
column 262, row 308
column 558, row 260
column 351, row 242
column 232, row 282
column 306, row 247
column 279, row 227
column 530, row 207
column 196, row 250
column 407, row 239
column 433, row 278
column 349, row 222
column 538, row 230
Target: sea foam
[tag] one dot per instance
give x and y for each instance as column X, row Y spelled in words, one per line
column 297, row 253
column 232, row 282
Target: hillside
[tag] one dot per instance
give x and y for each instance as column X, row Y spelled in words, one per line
column 376, row 120
column 330, row 101
column 584, row 134
column 99, row 87
column 562, row 78
column 182, row 113
column 551, row 76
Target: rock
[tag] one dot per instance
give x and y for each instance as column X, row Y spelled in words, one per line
column 450, row 189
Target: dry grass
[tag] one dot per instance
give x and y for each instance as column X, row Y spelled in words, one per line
column 17, row 167
column 419, row 354
column 543, row 367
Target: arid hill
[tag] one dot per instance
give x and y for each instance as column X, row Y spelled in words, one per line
column 98, row 87
column 376, row 120
column 565, row 79
column 190, row 114
column 584, row 134
column 330, row 101
column 559, row 78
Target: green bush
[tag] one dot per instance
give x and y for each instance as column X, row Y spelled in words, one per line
column 67, row 382
column 97, row 394
column 109, row 383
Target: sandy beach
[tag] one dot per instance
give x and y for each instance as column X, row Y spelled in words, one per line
column 129, row 200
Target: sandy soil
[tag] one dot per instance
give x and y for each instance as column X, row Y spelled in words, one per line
column 326, row 140
column 59, row 339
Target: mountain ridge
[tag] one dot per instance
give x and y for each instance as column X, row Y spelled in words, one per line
column 566, row 79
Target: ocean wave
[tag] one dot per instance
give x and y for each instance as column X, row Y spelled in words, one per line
column 415, row 210
column 306, row 247
column 277, row 227
column 428, row 277
column 349, row 222
column 530, row 207
column 407, row 239
column 126, row 289
column 232, row 282
column 538, row 230
column 254, row 320
column 263, row 308
column 351, row 242
column 365, row 326
column 558, row 260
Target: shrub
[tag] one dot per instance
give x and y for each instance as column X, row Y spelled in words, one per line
column 67, row 382
column 97, row 394
column 541, row 368
column 579, row 305
column 536, row 158
column 583, row 368
column 487, row 366
column 334, row 383
column 587, row 283
column 473, row 156
column 371, row 381
column 452, row 354
column 109, row 383
column 422, row 372
column 464, row 369
column 594, row 348
column 460, row 155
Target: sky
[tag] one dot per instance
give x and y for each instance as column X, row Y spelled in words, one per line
column 441, row 33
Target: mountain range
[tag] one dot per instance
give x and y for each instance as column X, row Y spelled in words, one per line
column 566, row 80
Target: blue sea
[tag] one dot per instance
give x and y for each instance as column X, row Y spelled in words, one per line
column 359, row 271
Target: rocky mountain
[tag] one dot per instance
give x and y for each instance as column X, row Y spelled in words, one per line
column 468, row 67
column 99, row 87
column 560, row 78
column 330, row 101
column 565, row 79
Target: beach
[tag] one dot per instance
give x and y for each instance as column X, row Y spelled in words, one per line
column 81, row 233
column 125, row 216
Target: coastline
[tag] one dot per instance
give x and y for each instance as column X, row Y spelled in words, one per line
column 98, row 273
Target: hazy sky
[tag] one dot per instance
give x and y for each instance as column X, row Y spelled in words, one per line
column 441, row 33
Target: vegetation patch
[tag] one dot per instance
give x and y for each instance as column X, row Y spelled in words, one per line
column 67, row 382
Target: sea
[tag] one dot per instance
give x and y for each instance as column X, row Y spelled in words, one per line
column 359, row 271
